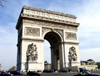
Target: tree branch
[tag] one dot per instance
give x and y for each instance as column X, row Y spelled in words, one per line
column 1, row 2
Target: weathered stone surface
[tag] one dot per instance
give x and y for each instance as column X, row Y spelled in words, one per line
column 31, row 53
column 60, row 30
column 71, row 36
column 32, row 31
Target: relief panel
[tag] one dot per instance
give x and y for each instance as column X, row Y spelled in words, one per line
column 44, row 30
column 31, row 53
column 74, row 28
column 32, row 31
column 70, row 36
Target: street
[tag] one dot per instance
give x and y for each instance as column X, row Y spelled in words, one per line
column 59, row 74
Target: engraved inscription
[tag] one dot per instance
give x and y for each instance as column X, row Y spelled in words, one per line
column 32, row 31
column 71, row 36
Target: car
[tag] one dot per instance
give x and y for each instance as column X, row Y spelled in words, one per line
column 39, row 71
column 5, row 74
column 47, row 71
column 85, row 72
column 32, row 73
column 62, row 71
column 15, row 73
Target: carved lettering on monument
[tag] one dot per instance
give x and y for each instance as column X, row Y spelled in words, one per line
column 70, row 36
column 32, row 31
column 32, row 52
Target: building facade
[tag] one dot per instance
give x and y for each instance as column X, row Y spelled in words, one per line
column 59, row 29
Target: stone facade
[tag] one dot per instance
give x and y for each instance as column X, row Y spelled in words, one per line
column 34, row 25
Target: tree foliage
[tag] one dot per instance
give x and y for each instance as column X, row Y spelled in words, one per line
column 98, row 63
column 12, row 68
column 45, row 62
column 1, row 2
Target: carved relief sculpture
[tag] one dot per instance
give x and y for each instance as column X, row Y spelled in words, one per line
column 60, row 30
column 72, row 54
column 43, row 23
column 71, row 36
column 32, row 31
column 32, row 52
column 44, row 30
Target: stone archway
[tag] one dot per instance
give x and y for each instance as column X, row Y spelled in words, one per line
column 54, row 40
column 34, row 25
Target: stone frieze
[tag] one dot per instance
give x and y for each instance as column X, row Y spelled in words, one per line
column 50, row 24
column 32, row 31
column 70, row 36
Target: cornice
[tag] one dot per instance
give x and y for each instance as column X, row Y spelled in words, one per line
column 38, row 17
column 48, row 19
column 41, row 40
column 71, row 43
column 45, row 19
column 49, row 11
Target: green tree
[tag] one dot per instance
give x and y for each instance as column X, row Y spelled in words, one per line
column 1, row 2
column 45, row 62
column 98, row 63
column 12, row 68
column 91, row 62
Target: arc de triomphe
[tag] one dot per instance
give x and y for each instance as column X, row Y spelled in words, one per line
column 59, row 29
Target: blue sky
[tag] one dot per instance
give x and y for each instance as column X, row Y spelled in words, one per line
column 86, row 11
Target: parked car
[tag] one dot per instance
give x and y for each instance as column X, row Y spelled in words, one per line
column 85, row 72
column 55, row 71
column 32, row 73
column 47, row 71
column 62, row 71
column 15, row 73
column 5, row 74
column 39, row 71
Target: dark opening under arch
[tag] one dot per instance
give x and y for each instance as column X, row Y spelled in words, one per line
column 53, row 38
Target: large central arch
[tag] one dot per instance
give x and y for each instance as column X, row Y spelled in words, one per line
column 55, row 40
column 60, row 30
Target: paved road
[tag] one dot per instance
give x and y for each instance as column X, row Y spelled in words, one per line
column 53, row 74
column 59, row 74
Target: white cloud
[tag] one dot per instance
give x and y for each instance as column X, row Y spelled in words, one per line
column 88, row 15
column 92, row 53
column 3, row 31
